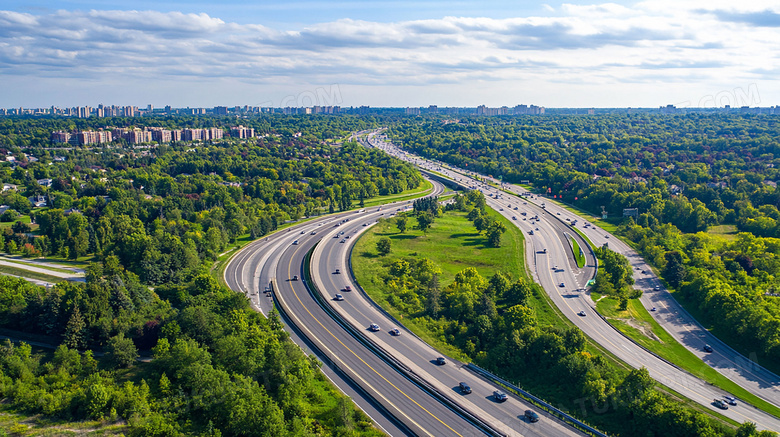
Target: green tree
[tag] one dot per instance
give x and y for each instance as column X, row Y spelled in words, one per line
column 74, row 337
column 383, row 246
column 400, row 223
column 674, row 271
column 494, row 232
column 121, row 351
column 424, row 221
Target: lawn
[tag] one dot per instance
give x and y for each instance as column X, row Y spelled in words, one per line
column 639, row 325
column 578, row 255
column 400, row 197
column 8, row 270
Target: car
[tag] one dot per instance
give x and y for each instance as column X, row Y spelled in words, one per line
column 338, row 297
column 730, row 400
column 295, row 243
column 581, row 313
column 561, row 285
column 531, row 416
column 295, row 277
column 653, row 309
column 347, row 288
column 464, row 388
column 499, row 396
column 720, row 404
column 707, row 348
column 303, row 232
column 395, row 332
column 606, row 236
column 343, row 241
column 337, row 225
column 501, row 209
column 313, row 233
column 514, row 218
column 346, row 236
column 441, row 361
column 558, row 213
column 365, row 224
column 657, row 287
column 515, row 208
column 537, row 229
column 644, row 272
column 338, row 272
column 336, row 236
column 374, row 327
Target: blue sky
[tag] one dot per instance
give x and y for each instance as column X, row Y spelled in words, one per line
column 400, row 53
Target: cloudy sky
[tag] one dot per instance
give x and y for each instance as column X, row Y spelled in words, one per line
column 398, row 53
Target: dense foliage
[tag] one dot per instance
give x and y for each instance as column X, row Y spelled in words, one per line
column 152, row 219
column 219, row 368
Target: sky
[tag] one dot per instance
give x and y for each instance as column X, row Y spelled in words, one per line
column 195, row 53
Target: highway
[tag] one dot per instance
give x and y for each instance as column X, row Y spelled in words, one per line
column 571, row 301
column 332, row 255
column 278, row 263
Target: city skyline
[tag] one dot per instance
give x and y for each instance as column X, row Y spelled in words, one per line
column 301, row 54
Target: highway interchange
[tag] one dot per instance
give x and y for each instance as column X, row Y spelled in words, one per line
column 337, row 330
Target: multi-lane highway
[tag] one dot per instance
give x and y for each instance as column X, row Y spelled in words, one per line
column 564, row 284
column 331, row 255
column 277, row 259
column 282, row 261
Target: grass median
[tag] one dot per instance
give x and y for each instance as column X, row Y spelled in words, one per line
column 639, row 325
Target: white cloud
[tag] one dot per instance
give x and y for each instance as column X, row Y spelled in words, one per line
column 598, row 43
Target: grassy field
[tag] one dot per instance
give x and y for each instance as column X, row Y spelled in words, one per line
column 33, row 264
column 8, row 270
column 638, row 324
column 727, row 233
column 578, row 255
column 400, row 197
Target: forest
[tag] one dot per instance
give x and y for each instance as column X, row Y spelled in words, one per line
column 686, row 174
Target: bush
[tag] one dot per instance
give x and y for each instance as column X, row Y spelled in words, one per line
column 9, row 215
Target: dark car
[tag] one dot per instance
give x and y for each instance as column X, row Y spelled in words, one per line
column 464, row 388
column 720, row 404
column 707, row 348
column 531, row 416
column 499, row 396
column 347, row 288
column 441, row 361
column 295, row 277
column 338, row 272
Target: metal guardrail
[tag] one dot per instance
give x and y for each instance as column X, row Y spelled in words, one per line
column 549, row 408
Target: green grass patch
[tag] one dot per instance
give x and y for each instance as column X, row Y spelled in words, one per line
column 37, row 265
column 400, row 197
column 727, row 233
column 638, row 324
column 578, row 255
column 8, row 270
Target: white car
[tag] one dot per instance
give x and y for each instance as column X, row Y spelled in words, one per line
column 374, row 327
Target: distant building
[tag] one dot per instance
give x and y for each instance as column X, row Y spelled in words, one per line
column 45, row 182
column 242, row 132
column 220, row 110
